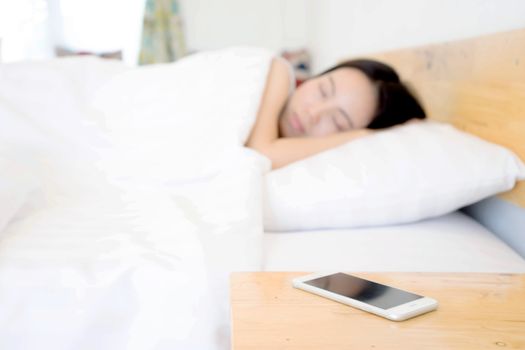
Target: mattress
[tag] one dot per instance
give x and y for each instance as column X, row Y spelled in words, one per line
column 450, row 243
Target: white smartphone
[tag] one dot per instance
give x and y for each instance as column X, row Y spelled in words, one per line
column 389, row 302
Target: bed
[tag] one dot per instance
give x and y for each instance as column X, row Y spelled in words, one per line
column 120, row 224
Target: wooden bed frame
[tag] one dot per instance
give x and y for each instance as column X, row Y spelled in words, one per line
column 477, row 84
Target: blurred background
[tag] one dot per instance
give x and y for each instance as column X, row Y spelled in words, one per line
column 315, row 33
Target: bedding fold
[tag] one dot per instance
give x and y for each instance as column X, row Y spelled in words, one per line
column 142, row 207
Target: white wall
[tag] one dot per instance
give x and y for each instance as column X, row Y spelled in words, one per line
column 332, row 29
column 274, row 24
column 354, row 27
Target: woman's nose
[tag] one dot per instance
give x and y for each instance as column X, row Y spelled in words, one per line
column 314, row 114
column 317, row 116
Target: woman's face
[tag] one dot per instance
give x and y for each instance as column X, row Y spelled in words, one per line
column 341, row 100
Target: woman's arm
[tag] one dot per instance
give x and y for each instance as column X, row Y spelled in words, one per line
column 284, row 151
column 264, row 137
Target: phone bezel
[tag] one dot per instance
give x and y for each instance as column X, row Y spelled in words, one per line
column 396, row 313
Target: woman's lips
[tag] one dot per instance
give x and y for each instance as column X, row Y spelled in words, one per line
column 296, row 123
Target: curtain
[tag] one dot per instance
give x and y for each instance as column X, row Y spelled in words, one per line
column 162, row 35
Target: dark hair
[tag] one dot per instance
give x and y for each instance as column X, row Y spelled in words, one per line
column 395, row 104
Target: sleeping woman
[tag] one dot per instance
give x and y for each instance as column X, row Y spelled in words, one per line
column 342, row 104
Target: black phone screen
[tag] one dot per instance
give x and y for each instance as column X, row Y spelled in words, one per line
column 369, row 292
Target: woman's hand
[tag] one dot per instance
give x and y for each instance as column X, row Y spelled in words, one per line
column 284, row 151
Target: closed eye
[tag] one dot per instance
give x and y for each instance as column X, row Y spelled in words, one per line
column 321, row 90
column 337, row 125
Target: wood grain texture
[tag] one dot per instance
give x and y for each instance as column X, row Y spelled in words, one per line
column 477, row 84
column 476, row 311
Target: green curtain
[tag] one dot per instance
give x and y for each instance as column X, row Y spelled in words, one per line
column 162, row 35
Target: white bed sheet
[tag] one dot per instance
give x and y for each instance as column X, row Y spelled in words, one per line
column 449, row 243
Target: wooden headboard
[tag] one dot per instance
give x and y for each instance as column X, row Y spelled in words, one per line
column 477, row 84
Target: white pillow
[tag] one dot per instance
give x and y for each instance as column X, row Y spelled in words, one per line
column 403, row 174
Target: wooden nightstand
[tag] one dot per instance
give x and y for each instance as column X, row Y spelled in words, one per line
column 476, row 311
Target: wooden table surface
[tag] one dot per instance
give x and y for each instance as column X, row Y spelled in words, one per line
column 476, row 311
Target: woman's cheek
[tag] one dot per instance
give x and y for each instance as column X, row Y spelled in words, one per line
column 322, row 129
column 305, row 99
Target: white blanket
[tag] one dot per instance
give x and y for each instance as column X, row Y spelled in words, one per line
column 144, row 202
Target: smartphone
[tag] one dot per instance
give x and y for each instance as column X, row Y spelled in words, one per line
column 379, row 299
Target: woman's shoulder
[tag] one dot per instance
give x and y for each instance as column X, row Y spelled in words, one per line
column 278, row 81
column 276, row 92
column 280, row 66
